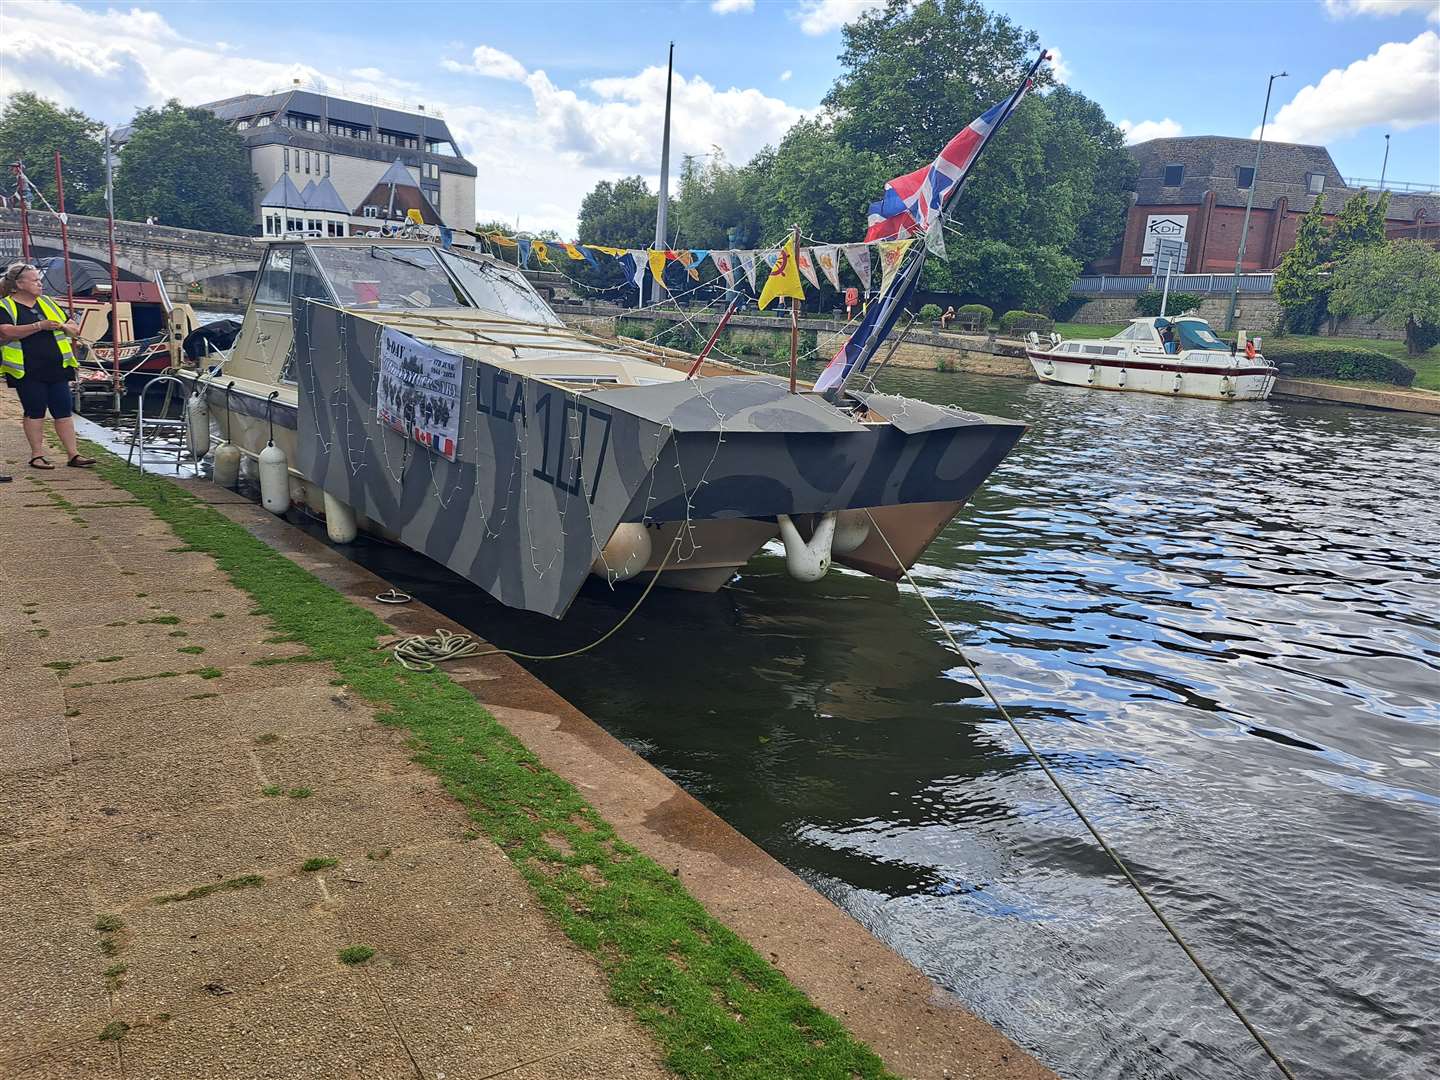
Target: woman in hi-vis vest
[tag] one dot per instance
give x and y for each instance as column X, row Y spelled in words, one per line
column 37, row 359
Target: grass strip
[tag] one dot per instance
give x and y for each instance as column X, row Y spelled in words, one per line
column 245, row 881
column 716, row 1007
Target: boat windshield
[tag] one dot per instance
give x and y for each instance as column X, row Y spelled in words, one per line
column 1196, row 335
column 381, row 277
column 499, row 288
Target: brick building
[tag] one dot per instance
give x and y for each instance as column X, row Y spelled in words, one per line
column 1194, row 189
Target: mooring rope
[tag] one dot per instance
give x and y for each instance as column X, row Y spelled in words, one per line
column 421, row 652
column 1084, row 818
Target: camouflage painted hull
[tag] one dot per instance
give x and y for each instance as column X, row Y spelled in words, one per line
column 545, row 473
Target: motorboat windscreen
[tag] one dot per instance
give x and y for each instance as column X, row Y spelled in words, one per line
column 499, row 288
column 1195, row 334
column 388, row 278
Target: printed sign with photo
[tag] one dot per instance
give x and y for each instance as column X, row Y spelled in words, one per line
column 419, row 392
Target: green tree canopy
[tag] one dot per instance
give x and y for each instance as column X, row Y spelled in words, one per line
column 1397, row 283
column 32, row 129
column 187, row 168
column 1302, row 280
column 619, row 213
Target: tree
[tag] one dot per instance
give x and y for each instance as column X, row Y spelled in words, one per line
column 32, row 129
column 1396, row 283
column 712, row 204
column 1302, row 280
column 619, row 214
column 187, row 168
column 814, row 180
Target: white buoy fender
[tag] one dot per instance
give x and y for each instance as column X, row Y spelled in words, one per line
column 625, row 554
column 339, row 520
column 197, row 425
column 852, row 528
column 227, row 465
column 274, row 480
column 807, row 562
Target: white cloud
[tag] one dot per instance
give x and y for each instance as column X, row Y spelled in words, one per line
column 1395, row 86
column 786, row 75
column 1148, row 129
column 538, row 158
column 489, row 62
column 1339, row 9
column 726, row 7
column 1058, row 68
column 818, row 17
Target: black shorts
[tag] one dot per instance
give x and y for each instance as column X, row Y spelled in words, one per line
column 36, row 397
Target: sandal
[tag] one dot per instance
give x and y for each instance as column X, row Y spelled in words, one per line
column 43, row 463
column 78, row 462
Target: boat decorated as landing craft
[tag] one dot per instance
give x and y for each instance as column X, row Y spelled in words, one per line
column 1179, row 356
column 430, row 396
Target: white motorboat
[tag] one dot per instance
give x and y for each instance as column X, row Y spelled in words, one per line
column 1179, row 357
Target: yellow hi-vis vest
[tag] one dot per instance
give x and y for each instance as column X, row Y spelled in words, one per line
column 12, row 354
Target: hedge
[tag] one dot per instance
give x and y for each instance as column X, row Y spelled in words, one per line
column 1148, row 303
column 1011, row 318
column 929, row 313
column 981, row 314
column 1316, row 358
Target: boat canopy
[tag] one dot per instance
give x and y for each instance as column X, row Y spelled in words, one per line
column 1196, row 334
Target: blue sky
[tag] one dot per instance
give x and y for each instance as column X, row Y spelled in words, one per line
column 549, row 97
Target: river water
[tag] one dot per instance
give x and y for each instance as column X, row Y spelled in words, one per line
column 1219, row 623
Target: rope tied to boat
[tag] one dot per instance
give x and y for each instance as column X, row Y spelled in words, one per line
column 1084, row 818
column 423, row 652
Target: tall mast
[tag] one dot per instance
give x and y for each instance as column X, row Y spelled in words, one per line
column 661, row 243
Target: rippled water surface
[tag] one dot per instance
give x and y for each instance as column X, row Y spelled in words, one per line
column 1221, row 625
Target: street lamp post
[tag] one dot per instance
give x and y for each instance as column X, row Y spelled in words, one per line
column 1249, row 203
column 1384, row 164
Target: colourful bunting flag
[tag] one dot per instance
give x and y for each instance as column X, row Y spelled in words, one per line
column 784, row 279
column 725, row 262
column 771, row 257
column 614, row 252
column 541, row 250
column 807, row 267
column 500, row 238
column 829, row 259
column 935, row 237
column 892, row 254
column 574, row 252
column 747, row 263
column 636, row 273
column 697, row 256
column 858, row 256
column 657, row 264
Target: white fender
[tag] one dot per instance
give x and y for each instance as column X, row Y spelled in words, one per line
column 339, row 520
column 1122, row 377
column 625, row 554
column 227, row 465
column 274, row 480
column 197, row 425
column 852, row 528
column 807, row 562
column 1090, row 377
column 1176, row 388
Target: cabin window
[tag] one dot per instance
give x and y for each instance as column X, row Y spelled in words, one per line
column 496, row 287
column 1135, row 332
column 1244, row 176
column 305, row 281
column 1315, row 183
column 1174, row 175
column 273, row 287
column 388, row 277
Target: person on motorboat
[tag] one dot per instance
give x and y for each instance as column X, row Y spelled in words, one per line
column 38, row 361
column 1167, row 337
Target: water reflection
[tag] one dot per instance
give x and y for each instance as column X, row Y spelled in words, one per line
column 1218, row 622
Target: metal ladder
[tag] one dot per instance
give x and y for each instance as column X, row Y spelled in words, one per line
column 158, row 426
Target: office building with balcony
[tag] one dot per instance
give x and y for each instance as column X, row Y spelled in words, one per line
column 345, row 148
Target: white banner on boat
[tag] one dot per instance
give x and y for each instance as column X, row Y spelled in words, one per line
column 419, row 394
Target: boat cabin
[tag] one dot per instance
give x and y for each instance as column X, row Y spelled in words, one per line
column 1169, row 335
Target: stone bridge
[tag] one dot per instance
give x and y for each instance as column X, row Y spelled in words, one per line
column 222, row 265
column 180, row 256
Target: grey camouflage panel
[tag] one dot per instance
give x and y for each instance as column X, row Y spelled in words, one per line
column 544, row 474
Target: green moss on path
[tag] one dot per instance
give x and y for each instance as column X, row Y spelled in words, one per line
column 716, row 1007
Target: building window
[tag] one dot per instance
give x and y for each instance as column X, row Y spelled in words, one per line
column 1174, row 175
column 242, row 125
column 262, row 121
column 433, row 194
column 371, row 211
column 1244, row 176
column 286, row 152
column 327, row 164
column 1314, row 183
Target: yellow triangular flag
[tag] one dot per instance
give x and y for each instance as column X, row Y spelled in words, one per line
column 892, row 253
column 784, row 279
column 500, row 238
column 657, row 265
column 541, row 251
column 616, row 252
column 573, row 252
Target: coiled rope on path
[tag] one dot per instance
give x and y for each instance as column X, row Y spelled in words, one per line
column 421, row 652
column 1084, row 818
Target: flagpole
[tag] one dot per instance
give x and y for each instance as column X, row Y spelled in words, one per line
column 905, row 281
column 662, row 204
column 794, row 310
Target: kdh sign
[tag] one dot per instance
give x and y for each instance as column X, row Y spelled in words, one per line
column 1161, row 227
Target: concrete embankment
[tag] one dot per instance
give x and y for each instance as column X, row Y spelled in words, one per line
column 230, row 843
column 1396, row 399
